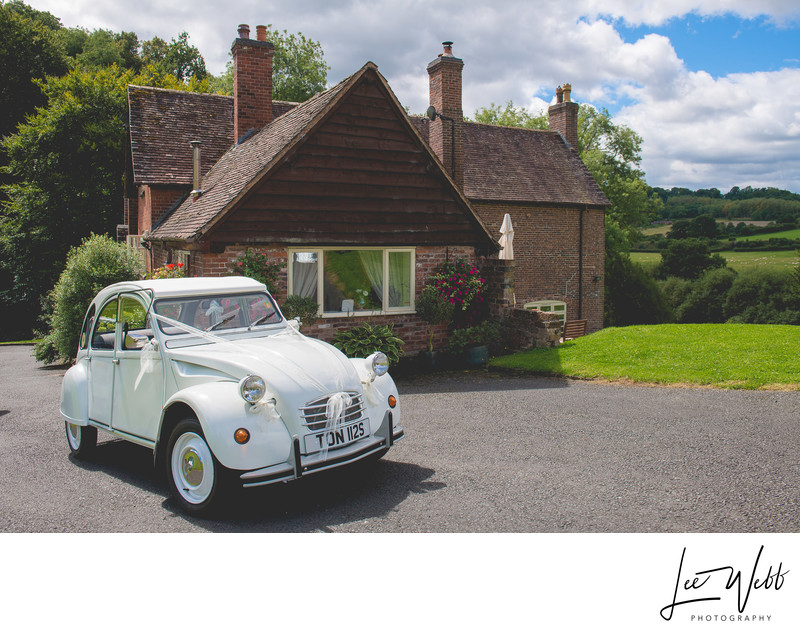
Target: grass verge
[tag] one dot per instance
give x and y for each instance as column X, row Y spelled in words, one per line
column 740, row 356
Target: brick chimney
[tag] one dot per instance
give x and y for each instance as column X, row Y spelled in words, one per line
column 252, row 81
column 564, row 115
column 446, row 135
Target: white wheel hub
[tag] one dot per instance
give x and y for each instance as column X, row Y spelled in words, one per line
column 192, row 468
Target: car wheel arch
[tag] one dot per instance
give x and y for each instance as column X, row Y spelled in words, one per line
column 172, row 415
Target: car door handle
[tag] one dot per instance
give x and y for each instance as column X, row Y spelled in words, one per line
column 115, row 361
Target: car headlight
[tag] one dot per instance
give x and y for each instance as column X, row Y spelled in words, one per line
column 252, row 388
column 379, row 364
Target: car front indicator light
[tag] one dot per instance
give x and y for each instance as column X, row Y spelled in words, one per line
column 241, row 436
column 392, row 401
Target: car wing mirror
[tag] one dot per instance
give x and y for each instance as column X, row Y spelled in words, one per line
column 136, row 341
column 295, row 323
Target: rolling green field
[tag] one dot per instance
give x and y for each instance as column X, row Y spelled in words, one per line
column 785, row 234
column 732, row 356
column 736, row 260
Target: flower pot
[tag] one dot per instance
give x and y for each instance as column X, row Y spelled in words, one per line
column 477, row 355
column 429, row 358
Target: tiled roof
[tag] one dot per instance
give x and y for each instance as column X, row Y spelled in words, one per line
column 522, row 165
column 164, row 122
column 241, row 165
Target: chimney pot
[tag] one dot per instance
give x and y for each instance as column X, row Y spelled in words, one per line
column 559, row 94
column 567, row 92
column 261, row 33
column 448, row 49
column 244, row 31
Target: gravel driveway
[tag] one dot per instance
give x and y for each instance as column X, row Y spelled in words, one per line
column 484, row 453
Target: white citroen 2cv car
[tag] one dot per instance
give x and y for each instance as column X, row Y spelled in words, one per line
column 227, row 393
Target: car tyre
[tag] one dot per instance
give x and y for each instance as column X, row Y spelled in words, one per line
column 196, row 479
column 82, row 440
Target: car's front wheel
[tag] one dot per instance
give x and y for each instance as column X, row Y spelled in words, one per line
column 82, row 439
column 196, row 479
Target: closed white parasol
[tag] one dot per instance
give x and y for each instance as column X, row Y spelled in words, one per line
column 507, row 239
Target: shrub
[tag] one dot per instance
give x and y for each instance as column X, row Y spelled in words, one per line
column 481, row 334
column 307, row 309
column 258, row 266
column 706, row 300
column 99, row 261
column 763, row 296
column 688, row 258
column 434, row 309
column 363, row 340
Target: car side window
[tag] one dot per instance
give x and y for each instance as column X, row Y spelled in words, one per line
column 133, row 316
column 103, row 336
column 87, row 326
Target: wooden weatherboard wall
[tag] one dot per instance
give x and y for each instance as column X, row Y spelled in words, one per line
column 362, row 177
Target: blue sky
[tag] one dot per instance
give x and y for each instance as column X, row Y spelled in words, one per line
column 712, row 86
column 721, row 45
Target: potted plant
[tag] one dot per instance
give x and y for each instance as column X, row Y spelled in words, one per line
column 473, row 342
column 434, row 309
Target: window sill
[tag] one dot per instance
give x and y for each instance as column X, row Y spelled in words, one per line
column 366, row 314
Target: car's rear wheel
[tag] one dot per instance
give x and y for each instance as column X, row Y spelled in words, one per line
column 196, row 478
column 82, row 439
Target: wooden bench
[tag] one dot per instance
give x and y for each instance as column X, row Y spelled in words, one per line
column 573, row 329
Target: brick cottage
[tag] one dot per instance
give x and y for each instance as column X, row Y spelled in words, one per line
column 359, row 201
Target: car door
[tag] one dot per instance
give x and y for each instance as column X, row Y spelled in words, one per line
column 101, row 363
column 139, row 372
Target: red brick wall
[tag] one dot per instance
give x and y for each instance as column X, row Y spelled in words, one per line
column 546, row 255
column 154, row 201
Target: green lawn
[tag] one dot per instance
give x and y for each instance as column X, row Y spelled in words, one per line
column 736, row 260
column 749, row 356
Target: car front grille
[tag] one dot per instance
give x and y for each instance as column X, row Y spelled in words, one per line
column 313, row 413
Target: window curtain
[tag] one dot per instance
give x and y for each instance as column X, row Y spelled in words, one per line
column 399, row 279
column 304, row 274
column 372, row 263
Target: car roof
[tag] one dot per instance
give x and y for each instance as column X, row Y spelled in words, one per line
column 179, row 287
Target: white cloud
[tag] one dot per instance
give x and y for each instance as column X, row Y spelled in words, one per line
column 743, row 129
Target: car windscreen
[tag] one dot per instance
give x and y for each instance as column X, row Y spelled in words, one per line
column 216, row 313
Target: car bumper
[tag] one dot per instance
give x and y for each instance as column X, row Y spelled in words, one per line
column 300, row 465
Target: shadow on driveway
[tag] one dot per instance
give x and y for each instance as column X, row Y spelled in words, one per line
column 315, row 503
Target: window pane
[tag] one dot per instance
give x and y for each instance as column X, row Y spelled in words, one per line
column 353, row 280
column 399, row 279
column 103, row 336
column 304, row 274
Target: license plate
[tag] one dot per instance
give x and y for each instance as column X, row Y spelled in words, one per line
column 339, row 437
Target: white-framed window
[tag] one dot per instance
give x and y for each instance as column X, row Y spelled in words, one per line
column 354, row 281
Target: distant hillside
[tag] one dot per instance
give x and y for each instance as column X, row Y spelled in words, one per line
column 760, row 204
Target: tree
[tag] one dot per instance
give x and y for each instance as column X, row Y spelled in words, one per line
column 67, row 164
column 688, row 258
column 178, row 58
column 299, row 70
column 29, row 52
